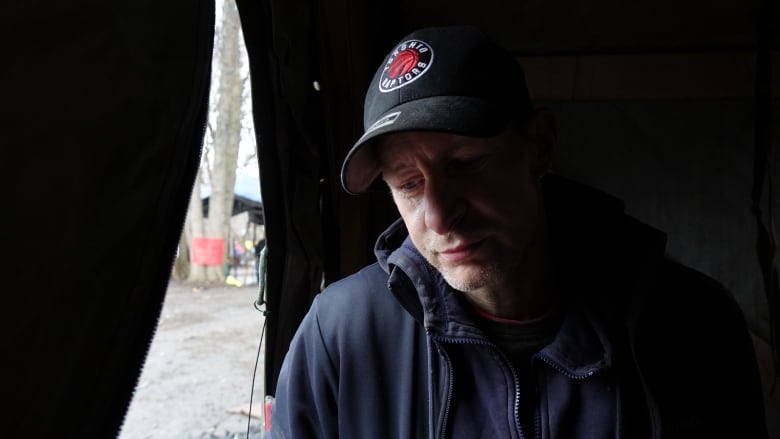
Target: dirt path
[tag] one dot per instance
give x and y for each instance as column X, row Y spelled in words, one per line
column 199, row 367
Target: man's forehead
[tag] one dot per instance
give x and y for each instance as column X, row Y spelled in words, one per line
column 389, row 145
column 394, row 147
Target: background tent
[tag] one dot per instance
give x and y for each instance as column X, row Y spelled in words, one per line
column 246, row 197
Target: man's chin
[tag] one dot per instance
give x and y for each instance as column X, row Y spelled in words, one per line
column 469, row 278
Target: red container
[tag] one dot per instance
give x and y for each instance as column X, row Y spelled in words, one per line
column 207, row 251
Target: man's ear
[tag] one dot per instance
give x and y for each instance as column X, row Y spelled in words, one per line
column 544, row 132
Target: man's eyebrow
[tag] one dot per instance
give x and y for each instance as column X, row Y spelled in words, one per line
column 394, row 167
column 386, row 165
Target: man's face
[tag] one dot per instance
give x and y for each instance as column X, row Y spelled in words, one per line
column 471, row 205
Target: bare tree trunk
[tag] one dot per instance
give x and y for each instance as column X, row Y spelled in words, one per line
column 194, row 227
column 182, row 265
column 227, row 134
column 220, row 170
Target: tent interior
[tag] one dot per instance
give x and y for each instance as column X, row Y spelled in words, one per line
column 672, row 106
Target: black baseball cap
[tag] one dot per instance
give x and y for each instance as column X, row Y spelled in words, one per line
column 452, row 79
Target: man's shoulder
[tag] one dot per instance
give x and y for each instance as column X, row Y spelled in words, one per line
column 686, row 300
column 368, row 284
column 358, row 311
column 357, row 299
column 684, row 284
column 696, row 354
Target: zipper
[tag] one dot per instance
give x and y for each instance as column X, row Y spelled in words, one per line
column 448, row 403
column 537, row 422
column 517, row 395
column 560, row 369
column 515, row 379
column 544, row 358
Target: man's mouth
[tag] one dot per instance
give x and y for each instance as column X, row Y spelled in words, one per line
column 459, row 252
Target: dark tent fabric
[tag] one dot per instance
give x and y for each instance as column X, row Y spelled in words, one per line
column 103, row 110
column 671, row 105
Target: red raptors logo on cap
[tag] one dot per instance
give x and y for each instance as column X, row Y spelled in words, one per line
column 406, row 63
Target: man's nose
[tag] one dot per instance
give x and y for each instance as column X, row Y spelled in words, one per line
column 444, row 207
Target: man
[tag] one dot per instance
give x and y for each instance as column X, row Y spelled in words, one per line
column 507, row 302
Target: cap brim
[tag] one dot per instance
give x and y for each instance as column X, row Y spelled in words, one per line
column 462, row 115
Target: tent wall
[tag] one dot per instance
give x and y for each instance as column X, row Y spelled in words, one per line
column 683, row 167
column 103, row 112
column 673, row 134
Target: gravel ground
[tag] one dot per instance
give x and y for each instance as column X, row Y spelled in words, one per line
column 198, row 374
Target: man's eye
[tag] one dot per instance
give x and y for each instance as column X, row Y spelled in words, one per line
column 409, row 185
